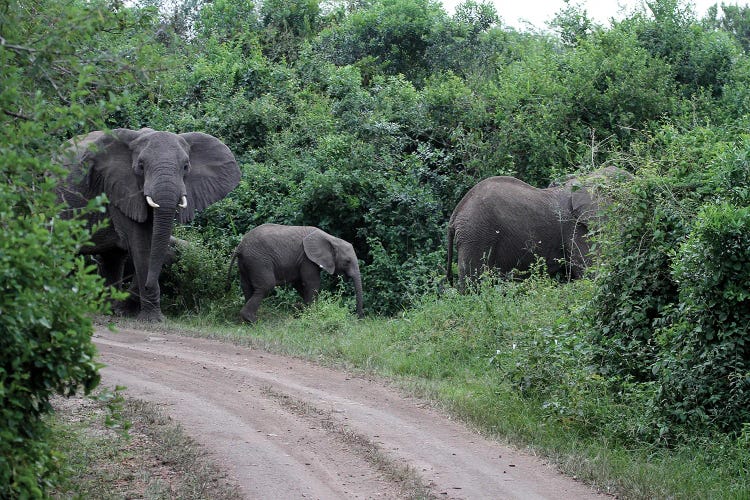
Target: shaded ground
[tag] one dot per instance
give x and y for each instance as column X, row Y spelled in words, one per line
column 286, row 428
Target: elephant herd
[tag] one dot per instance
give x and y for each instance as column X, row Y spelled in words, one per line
column 152, row 178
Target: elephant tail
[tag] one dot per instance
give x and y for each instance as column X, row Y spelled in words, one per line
column 229, row 271
column 449, row 266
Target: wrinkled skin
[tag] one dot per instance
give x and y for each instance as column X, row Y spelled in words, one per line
column 138, row 170
column 273, row 254
column 503, row 223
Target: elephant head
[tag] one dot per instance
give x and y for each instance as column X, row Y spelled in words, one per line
column 138, row 169
column 335, row 256
column 151, row 178
column 586, row 195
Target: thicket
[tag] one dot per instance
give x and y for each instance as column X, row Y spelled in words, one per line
column 371, row 119
column 53, row 85
column 671, row 308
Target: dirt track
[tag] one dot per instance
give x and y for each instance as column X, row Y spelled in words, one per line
column 285, row 428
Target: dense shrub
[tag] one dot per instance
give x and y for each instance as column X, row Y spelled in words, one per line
column 670, row 307
column 45, row 306
column 705, row 368
column 636, row 288
column 634, row 283
column 51, row 87
column 387, row 37
column 196, row 277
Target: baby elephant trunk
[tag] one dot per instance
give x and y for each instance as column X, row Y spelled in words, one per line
column 358, row 293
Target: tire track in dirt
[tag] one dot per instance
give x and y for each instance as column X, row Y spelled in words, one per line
column 287, row 428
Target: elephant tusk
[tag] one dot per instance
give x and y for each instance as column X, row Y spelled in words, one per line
column 183, row 202
column 151, row 202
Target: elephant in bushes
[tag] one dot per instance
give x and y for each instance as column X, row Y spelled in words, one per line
column 273, row 254
column 505, row 224
column 151, row 178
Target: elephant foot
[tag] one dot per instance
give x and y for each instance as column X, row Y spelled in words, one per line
column 248, row 317
column 154, row 316
column 128, row 308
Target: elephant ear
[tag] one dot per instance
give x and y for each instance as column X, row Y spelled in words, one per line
column 584, row 207
column 319, row 249
column 213, row 173
column 111, row 171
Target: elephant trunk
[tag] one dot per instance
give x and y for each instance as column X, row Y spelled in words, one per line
column 449, row 264
column 163, row 225
column 162, row 230
column 357, row 279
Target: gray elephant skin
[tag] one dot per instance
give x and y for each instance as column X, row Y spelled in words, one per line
column 151, row 178
column 502, row 223
column 274, row 254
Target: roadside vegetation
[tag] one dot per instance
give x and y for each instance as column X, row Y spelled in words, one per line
column 111, row 447
column 371, row 119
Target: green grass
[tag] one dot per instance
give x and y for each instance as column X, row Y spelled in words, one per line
column 511, row 360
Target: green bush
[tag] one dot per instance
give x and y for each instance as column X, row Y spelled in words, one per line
column 705, row 371
column 669, row 312
column 58, row 77
column 393, row 281
column 197, row 277
column 634, row 283
column 45, row 306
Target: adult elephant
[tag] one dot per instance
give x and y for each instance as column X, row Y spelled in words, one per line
column 151, row 178
column 274, row 254
column 505, row 224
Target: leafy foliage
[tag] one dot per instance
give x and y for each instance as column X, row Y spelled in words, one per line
column 668, row 309
column 371, row 119
column 705, row 370
column 53, row 85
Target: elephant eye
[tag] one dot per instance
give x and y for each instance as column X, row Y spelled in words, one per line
column 186, row 167
column 139, row 167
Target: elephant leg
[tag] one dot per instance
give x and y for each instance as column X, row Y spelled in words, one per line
column 300, row 288
column 131, row 306
column 139, row 243
column 247, row 288
column 249, row 311
column 461, row 280
column 112, row 266
column 309, row 282
column 465, row 273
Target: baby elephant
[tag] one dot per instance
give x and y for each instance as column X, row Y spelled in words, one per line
column 273, row 254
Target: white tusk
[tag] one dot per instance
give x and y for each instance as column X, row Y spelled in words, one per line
column 151, row 202
column 183, row 202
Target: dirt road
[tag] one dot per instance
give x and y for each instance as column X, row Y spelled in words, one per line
column 284, row 428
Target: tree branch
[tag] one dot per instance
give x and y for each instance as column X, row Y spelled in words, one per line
column 16, row 115
column 17, row 48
